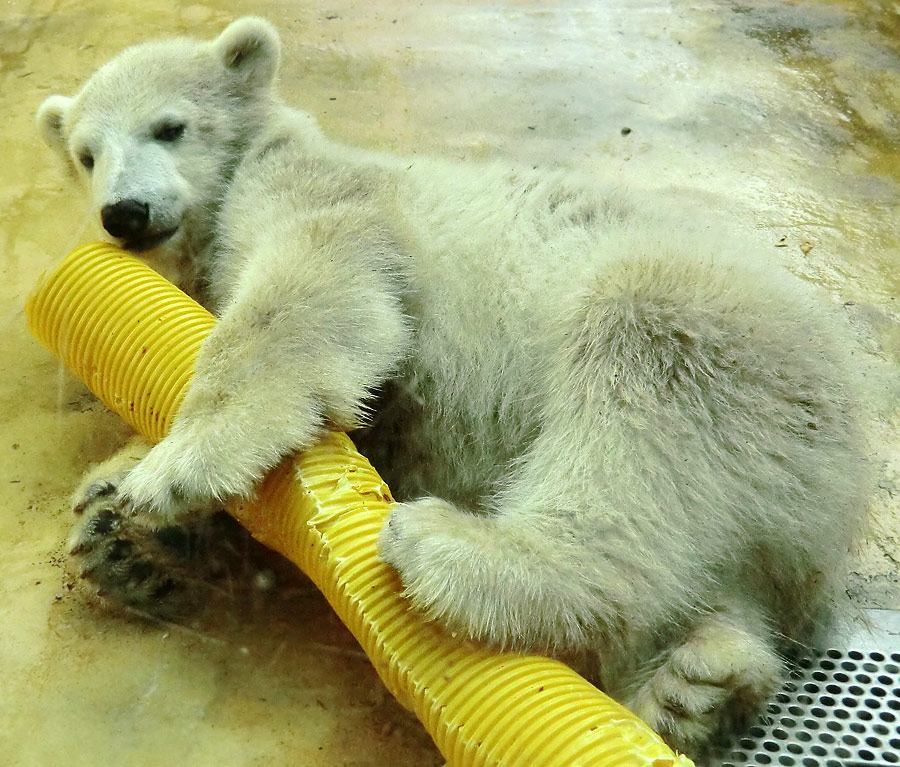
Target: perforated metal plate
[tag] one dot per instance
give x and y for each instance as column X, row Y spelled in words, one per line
column 841, row 708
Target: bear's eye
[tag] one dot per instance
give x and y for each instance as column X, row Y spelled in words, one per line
column 87, row 160
column 169, row 132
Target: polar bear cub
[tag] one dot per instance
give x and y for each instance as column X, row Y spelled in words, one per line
column 617, row 440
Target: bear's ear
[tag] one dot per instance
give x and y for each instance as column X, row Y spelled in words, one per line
column 49, row 121
column 249, row 47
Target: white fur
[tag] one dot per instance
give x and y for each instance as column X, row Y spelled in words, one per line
column 631, row 445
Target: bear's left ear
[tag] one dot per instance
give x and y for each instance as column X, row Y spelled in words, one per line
column 50, row 121
column 249, row 47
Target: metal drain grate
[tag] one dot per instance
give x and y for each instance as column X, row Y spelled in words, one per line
column 841, row 708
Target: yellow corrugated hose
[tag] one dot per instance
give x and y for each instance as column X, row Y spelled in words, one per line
column 132, row 337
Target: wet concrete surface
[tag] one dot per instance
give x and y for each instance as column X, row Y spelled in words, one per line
column 783, row 117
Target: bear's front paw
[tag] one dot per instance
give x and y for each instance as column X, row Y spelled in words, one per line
column 162, row 489
column 162, row 570
column 128, row 562
column 94, row 493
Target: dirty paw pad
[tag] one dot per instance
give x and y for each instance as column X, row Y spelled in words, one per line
column 153, row 571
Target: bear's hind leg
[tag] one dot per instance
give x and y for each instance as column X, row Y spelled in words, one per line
column 511, row 582
column 715, row 680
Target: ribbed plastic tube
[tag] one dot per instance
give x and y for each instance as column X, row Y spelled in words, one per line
column 132, row 337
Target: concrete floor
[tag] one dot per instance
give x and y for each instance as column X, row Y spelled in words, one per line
column 783, row 116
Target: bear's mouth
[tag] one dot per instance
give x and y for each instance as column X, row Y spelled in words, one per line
column 148, row 242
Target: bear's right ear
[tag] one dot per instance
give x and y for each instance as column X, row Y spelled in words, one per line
column 49, row 120
column 250, row 48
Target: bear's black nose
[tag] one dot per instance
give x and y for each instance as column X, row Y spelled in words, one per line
column 127, row 218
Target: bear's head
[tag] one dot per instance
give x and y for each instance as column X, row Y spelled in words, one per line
column 156, row 133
